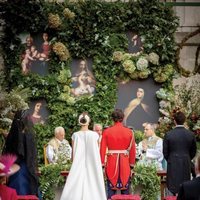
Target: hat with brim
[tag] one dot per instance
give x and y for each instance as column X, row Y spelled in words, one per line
column 13, row 169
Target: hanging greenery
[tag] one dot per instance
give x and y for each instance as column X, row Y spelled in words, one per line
column 88, row 29
column 96, row 30
column 146, row 179
column 51, row 178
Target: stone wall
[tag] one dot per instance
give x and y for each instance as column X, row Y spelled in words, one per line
column 189, row 22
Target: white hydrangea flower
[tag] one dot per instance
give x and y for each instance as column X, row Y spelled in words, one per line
column 153, row 58
column 142, row 63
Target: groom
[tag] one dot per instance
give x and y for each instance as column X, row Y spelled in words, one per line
column 119, row 143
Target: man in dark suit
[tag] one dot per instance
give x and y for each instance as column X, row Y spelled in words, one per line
column 179, row 148
column 190, row 190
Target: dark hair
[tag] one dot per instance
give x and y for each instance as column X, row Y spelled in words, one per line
column 83, row 119
column 179, row 117
column 118, row 115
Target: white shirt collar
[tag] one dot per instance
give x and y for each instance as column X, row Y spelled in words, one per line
column 179, row 126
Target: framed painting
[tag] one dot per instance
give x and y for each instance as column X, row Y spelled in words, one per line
column 35, row 54
column 38, row 112
column 139, row 102
column 134, row 42
column 83, row 80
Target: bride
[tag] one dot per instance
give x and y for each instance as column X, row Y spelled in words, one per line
column 85, row 180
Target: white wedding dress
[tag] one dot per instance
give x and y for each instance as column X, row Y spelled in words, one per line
column 85, row 180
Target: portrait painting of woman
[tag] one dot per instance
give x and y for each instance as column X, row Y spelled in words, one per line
column 133, row 104
column 139, row 103
column 36, row 116
column 38, row 112
column 83, row 79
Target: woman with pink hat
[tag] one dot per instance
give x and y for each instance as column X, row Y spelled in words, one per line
column 7, row 168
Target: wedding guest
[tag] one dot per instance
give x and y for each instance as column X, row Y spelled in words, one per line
column 119, row 144
column 21, row 142
column 189, row 190
column 85, row 179
column 7, row 168
column 58, row 147
column 98, row 128
column 179, row 148
column 151, row 148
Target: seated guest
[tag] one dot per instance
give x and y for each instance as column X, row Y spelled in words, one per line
column 98, row 128
column 189, row 190
column 58, row 148
column 7, row 168
column 150, row 149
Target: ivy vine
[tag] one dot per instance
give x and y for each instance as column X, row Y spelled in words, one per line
column 88, row 29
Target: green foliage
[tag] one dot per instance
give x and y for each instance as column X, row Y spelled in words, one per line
column 139, row 136
column 87, row 29
column 51, row 178
column 198, row 146
column 146, row 177
column 10, row 102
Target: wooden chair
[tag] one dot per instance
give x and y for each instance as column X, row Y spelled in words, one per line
column 46, row 162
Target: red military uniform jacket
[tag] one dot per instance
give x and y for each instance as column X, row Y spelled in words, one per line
column 117, row 165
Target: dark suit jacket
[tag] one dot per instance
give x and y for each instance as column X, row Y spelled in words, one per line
column 179, row 148
column 190, row 190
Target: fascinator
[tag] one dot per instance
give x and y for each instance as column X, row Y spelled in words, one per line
column 84, row 119
column 7, row 166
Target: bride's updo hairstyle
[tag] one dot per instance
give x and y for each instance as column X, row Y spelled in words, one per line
column 84, row 119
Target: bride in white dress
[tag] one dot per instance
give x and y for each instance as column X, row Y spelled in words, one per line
column 85, row 180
